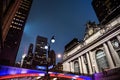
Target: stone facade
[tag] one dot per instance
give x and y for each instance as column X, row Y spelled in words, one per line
column 100, row 50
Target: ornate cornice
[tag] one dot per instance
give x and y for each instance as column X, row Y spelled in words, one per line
column 100, row 40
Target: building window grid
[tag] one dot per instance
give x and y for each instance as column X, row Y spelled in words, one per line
column 24, row 8
column 17, row 23
column 24, row 5
column 27, row 1
column 21, row 17
column 15, row 27
column 20, row 13
column 19, row 20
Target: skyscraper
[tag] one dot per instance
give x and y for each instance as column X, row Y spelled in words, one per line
column 52, row 57
column 6, row 13
column 27, row 61
column 15, row 13
column 40, row 52
column 30, row 49
column 106, row 10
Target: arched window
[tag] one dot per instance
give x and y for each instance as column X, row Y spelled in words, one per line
column 101, row 60
column 76, row 67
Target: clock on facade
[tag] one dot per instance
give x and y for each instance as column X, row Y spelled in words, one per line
column 90, row 32
column 115, row 43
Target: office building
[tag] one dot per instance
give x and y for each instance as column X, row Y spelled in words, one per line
column 39, row 58
column 58, row 67
column 30, row 51
column 27, row 61
column 15, row 13
column 106, row 10
column 52, row 58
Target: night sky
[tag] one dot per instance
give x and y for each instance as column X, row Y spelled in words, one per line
column 65, row 19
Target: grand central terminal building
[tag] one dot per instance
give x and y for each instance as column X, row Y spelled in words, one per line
column 99, row 50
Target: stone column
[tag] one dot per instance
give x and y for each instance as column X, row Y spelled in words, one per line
column 118, row 37
column 114, row 54
column 80, row 65
column 71, row 67
column 110, row 61
column 89, row 63
column 83, row 65
column 93, row 61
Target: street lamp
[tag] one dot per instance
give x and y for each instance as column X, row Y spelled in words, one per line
column 48, row 47
column 59, row 55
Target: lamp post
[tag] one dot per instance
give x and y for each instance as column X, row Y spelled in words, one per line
column 48, row 47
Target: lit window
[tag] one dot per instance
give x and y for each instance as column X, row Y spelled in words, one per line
column 14, row 27
column 21, row 21
column 17, row 19
column 20, row 24
column 10, row 25
column 18, row 28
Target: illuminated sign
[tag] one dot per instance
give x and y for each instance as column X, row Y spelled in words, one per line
column 41, row 67
column 50, row 67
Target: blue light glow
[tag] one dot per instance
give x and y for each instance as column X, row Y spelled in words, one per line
column 50, row 67
column 7, row 70
column 41, row 67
